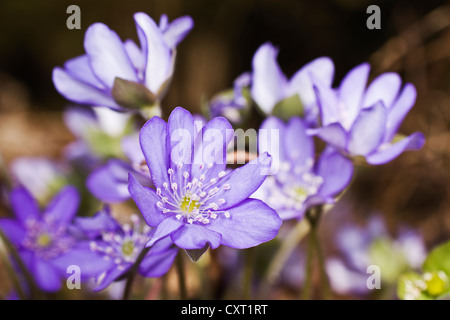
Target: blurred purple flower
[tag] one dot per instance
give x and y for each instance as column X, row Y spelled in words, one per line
column 89, row 79
column 117, row 247
column 197, row 202
column 231, row 104
column 43, row 240
column 103, row 134
column 360, row 248
column 364, row 122
column 298, row 182
column 175, row 31
column 270, row 85
column 42, row 177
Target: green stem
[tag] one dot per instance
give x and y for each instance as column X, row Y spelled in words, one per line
column 306, row 291
column 325, row 283
column 287, row 246
column 11, row 272
column 132, row 273
column 248, row 273
column 148, row 112
column 201, row 268
column 313, row 216
column 181, row 276
column 35, row 292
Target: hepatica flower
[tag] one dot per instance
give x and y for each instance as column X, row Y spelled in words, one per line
column 298, row 181
column 42, row 177
column 43, row 239
column 364, row 122
column 373, row 245
column 233, row 104
column 121, row 75
column 117, row 246
column 197, row 201
column 277, row 95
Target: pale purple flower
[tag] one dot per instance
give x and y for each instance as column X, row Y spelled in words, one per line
column 174, row 32
column 232, row 104
column 197, row 201
column 361, row 121
column 89, row 79
column 117, row 246
column 43, row 240
column 270, row 85
column 348, row 274
column 42, row 177
column 299, row 181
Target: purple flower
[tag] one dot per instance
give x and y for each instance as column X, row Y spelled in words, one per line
column 175, row 31
column 43, row 239
column 197, row 201
column 117, row 247
column 298, row 181
column 232, row 104
column 364, row 122
column 373, row 245
column 270, row 85
column 90, row 78
column 42, row 177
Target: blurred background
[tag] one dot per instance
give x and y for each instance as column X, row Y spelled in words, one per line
column 414, row 40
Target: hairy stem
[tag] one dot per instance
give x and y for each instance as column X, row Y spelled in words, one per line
column 248, row 273
column 313, row 216
column 11, row 272
column 324, row 281
column 298, row 232
column 132, row 273
column 34, row 290
column 306, row 290
column 181, row 276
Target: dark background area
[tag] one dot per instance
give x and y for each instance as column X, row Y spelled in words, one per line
column 414, row 41
column 34, row 37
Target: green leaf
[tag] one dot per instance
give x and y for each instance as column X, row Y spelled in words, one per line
column 438, row 259
column 289, row 107
column 132, row 95
column 389, row 258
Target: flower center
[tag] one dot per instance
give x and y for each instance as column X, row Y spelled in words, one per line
column 436, row 282
column 196, row 199
column 47, row 238
column 124, row 244
column 128, row 248
column 301, row 192
column 188, row 205
column 292, row 186
column 44, row 240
